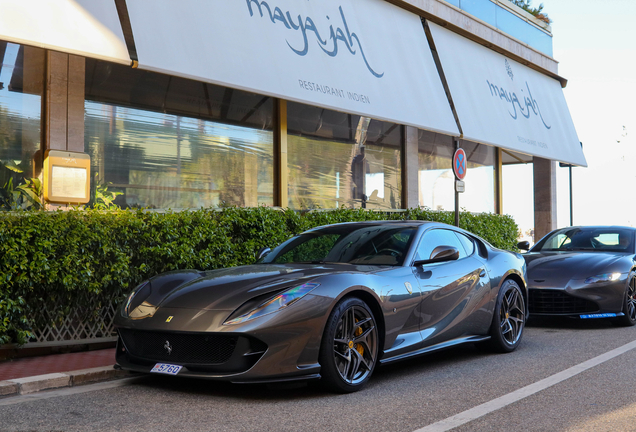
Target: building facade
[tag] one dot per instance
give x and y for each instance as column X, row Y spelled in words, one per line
column 313, row 104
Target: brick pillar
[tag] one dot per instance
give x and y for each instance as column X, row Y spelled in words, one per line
column 545, row 209
column 410, row 169
column 63, row 104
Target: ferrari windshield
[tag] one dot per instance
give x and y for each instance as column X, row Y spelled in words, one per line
column 384, row 244
column 588, row 239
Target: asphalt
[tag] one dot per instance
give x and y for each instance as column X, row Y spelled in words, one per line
column 32, row 374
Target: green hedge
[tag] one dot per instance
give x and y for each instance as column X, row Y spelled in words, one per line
column 67, row 258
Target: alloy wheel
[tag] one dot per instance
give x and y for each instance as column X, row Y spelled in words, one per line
column 512, row 315
column 355, row 345
column 630, row 310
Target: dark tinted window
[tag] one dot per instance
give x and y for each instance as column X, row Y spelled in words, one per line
column 367, row 245
column 337, row 159
column 21, row 86
column 169, row 142
column 588, row 239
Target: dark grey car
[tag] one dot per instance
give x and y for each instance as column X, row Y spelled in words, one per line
column 584, row 272
column 330, row 303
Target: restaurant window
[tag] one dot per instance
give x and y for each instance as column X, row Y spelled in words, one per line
column 169, row 142
column 480, row 178
column 436, row 178
column 21, row 84
column 435, row 173
column 337, row 159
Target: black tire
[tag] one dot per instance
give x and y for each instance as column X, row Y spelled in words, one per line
column 349, row 347
column 509, row 319
column 629, row 304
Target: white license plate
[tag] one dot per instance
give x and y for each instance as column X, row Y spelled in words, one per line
column 166, row 369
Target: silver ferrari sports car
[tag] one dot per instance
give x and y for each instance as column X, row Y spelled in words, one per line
column 331, row 303
column 584, row 272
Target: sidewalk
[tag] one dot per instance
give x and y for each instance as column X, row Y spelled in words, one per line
column 31, row 374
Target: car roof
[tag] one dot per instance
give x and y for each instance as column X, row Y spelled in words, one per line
column 362, row 224
column 598, row 227
column 407, row 223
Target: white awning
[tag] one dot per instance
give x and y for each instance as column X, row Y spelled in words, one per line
column 362, row 57
column 503, row 103
column 84, row 27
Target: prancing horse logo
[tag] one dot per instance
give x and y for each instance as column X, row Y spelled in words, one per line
column 168, row 347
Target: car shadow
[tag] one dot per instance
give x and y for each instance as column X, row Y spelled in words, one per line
column 252, row 392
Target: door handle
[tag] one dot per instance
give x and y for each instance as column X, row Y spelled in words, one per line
column 482, row 273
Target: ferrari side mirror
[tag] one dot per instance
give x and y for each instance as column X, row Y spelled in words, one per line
column 262, row 252
column 524, row 245
column 440, row 254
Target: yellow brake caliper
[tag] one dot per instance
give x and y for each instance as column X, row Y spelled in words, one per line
column 359, row 347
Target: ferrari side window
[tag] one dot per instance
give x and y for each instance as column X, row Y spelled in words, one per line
column 469, row 245
column 435, row 238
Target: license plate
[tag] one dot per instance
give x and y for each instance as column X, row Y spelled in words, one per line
column 166, row 369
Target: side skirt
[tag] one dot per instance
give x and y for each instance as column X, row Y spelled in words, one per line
column 279, row 380
column 437, row 347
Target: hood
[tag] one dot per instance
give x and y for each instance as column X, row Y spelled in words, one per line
column 227, row 289
column 557, row 268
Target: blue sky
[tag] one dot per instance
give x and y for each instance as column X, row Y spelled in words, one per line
column 595, row 45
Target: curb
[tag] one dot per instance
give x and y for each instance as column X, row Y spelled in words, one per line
column 21, row 386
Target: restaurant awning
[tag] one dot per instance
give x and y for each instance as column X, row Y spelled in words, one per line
column 503, row 103
column 369, row 58
column 84, row 27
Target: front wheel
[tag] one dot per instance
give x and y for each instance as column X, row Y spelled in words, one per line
column 349, row 347
column 629, row 304
column 509, row 318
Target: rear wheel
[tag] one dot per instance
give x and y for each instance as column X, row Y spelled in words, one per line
column 349, row 347
column 629, row 304
column 508, row 320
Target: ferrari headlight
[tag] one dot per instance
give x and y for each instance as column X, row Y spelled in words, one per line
column 605, row 277
column 276, row 303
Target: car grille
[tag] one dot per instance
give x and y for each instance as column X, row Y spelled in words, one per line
column 186, row 348
column 557, row 302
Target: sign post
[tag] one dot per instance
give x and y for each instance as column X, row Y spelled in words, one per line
column 569, row 167
column 459, row 168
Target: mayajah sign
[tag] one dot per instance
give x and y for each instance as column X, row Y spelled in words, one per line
column 328, row 46
column 526, row 104
column 365, row 57
column 504, row 103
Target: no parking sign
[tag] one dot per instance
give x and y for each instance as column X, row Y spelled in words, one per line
column 459, row 164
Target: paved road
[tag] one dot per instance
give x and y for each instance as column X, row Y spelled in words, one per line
column 419, row 394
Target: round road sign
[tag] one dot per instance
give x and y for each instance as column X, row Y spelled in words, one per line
column 459, row 164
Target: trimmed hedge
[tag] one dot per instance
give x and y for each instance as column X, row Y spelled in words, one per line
column 71, row 258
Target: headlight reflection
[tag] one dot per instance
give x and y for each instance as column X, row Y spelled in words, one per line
column 276, row 303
